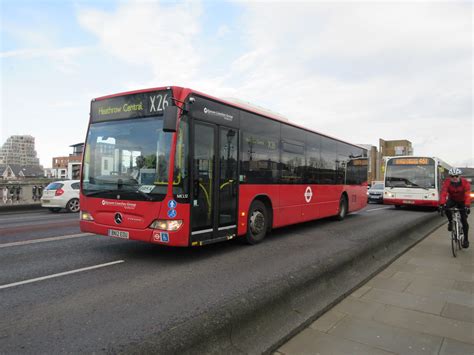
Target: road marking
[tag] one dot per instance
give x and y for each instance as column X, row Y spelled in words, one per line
column 376, row 209
column 60, row 274
column 42, row 240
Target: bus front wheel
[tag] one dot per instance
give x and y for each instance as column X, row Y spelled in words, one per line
column 257, row 222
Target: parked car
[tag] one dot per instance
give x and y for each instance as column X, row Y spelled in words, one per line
column 375, row 193
column 61, row 194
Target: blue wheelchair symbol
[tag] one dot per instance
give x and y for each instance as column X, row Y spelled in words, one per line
column 172, row 204
column 165, row 237
column 172, row 213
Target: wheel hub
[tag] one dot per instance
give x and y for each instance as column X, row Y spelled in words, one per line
column 257, row 222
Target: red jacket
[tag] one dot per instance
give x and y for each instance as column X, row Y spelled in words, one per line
column 458, row 193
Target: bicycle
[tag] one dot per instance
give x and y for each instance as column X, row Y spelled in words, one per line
column 457, row 233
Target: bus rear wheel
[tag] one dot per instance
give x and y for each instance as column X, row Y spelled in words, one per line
column 343, row 207
column 257, row 222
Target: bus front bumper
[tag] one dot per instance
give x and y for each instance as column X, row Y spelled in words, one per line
column 408, row 202
column 177, row 238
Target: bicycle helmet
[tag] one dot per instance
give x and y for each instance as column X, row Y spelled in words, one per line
column 455, row 171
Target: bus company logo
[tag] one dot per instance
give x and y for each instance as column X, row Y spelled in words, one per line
column 308, row 194
column 223, row 115
column 118, row 218
column 125, row 205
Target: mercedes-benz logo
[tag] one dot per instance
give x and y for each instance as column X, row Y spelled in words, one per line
column 118, row 218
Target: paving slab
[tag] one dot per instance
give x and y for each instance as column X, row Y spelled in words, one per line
column 459, row 312
column 420, row 281
column 435, row 264
column 435, row 292
column 327, row 320
column 386, row 337
column 405, row 300
column 358, row 307
column 313, row 342
column 453, row 347
column 454, row 275
column 466, row 286
column 426, row 323
column 389, row 284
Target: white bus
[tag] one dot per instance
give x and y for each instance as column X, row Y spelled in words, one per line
column 414, row 181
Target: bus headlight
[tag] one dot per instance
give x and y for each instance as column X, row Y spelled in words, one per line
column 86, row 216
column 167, row 225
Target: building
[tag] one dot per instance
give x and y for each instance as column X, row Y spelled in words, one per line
column 373, row 165
column 19, row 150
column 391, row 149
column 19, row 172
column 394, row 148
column 67, row 167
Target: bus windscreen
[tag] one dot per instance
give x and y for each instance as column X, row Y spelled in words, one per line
column 410, row 173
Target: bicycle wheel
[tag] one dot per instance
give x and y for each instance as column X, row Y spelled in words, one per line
column 454, row 242
column 460, row 235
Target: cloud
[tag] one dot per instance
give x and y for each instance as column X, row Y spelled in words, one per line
column 356, row 70
column 361, row 71
column 161, row 37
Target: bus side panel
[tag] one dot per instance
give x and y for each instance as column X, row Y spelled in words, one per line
column 357, row 197
column 327, row 199
column 290, row 206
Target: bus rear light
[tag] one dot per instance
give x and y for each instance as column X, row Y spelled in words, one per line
column 59, row 192
column 86, row 216
column 167, row 225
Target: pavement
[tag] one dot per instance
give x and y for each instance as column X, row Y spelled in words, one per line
column 420, row 304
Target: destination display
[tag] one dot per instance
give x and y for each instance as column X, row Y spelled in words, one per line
column 131, row 106
column 411, row 161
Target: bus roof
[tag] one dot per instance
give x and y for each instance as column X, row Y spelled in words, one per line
column 184, row 92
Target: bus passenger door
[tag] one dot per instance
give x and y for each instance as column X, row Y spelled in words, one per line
column 214, row 183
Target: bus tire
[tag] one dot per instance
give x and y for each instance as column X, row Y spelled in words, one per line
column 397, row 207
column 257, row 223
column 343, row 208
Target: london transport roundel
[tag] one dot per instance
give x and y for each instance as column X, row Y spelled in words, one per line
column 308, row 194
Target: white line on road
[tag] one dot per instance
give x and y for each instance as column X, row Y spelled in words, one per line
column 42, row 240
column 60, row 274
column 376, row 209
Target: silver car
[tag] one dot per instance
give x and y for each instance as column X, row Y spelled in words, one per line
column 375, row 193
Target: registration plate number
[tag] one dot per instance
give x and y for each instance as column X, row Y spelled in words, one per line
column 118, row 234
column 408, row 202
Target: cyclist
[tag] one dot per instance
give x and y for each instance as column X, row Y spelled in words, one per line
column 456, row 194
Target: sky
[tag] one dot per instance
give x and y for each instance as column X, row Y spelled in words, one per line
column 355, row 70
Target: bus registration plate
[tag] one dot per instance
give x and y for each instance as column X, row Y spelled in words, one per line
column 118, row 234
column 409, row 202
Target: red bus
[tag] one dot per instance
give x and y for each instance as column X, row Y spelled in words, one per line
column 178, row 167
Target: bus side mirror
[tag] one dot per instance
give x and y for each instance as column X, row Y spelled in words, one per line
column 170, row 119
